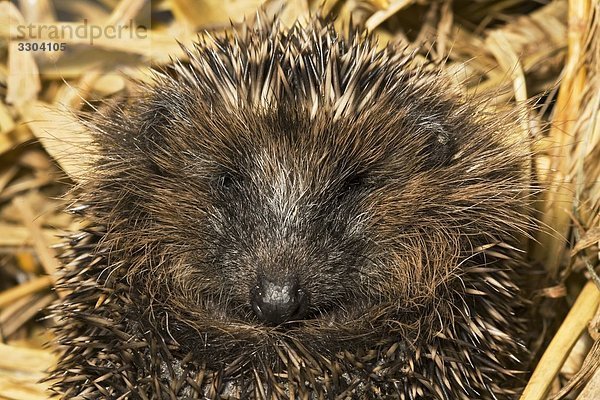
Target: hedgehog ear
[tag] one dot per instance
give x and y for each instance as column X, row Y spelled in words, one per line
column 150, row 130
column 439, row 149
column 157, row 120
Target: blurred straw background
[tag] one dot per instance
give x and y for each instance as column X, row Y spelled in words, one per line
column 514, row 49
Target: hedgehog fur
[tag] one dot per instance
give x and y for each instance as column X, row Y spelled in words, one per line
column 395, row 202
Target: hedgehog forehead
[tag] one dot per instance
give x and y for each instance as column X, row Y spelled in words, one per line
column 287, row 145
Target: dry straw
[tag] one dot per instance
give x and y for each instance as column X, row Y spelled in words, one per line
column 517, row 50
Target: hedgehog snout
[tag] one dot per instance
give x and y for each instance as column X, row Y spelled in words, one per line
column 277, row 302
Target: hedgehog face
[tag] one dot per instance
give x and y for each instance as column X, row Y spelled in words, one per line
column 354, row 217
column 298, row 219
column 278, row 215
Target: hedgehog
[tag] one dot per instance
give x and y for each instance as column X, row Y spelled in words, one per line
column 298, row 213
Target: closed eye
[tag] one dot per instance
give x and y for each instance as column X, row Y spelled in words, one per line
column 229, row 180
column 352, row 184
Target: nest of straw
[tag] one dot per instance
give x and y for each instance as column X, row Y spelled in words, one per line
column 517, row 49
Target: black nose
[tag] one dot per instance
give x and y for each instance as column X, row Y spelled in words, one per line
column 278, row 302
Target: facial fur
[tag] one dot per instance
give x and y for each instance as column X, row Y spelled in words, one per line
column 300, row 155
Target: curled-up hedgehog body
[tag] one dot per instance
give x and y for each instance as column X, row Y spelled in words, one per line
column 296, row 214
